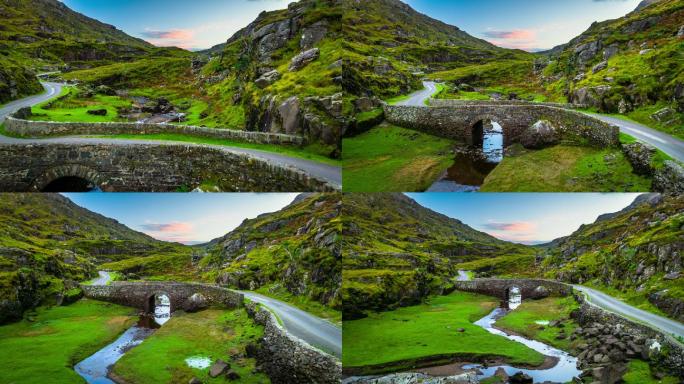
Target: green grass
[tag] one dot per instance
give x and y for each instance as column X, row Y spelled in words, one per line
column 290, row 151
column 217, row 334
column 566, row 168
column 639, row 372
column 392, row 159
column 398, row 99
column 46, row 350
column 69, row 108
column 522, row 320
column 430, row 330
column 302, row 302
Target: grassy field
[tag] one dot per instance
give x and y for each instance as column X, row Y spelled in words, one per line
column 45, row 350
column 522, row 320
column 216, row 334
column 566, row 168
column 413, row 333
column 393, row 159
column 639, row 372
column 304, row 303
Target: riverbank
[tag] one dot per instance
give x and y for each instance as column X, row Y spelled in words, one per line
column 59, row 337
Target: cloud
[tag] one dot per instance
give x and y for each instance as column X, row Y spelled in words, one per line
column 520, row 226
column 167, row 227
column 176, row 34
column 183, row 38
column 518, row 34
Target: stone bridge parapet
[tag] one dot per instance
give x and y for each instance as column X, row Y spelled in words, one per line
column 138, row 294
column 529, row 288
column 38, row 129
column 457, row 121
column 136, row 167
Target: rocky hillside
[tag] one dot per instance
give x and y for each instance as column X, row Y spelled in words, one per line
column 48, row 245
column 397, row 252
column 632, row 65
column 45, row 35
column 293, row 251
column 284, row 71
column 636, row 254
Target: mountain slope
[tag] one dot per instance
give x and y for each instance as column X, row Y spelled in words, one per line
column 390, row 46
column 294, row 251
column 48, row 245
column 396, row 252
column 635, row 254
column 632, row 65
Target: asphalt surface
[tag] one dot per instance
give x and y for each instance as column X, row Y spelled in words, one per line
column 104, row 278
column 329, row 173
column 315, row 331
column 666, row 143
column 417, row 99
column 602, row 300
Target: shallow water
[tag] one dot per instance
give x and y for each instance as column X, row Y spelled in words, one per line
column 471, row 168
column 199, row 362
column 562, row 372
column 95, row 368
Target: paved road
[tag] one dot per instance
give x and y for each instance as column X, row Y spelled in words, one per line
column 315, row 331
column 666, row 143
column 417, row 99
column 329, row 173
column 104, row 278
column 600, row 299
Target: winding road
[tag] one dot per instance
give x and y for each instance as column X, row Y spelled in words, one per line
column 315, row 331
column 602, row 300
column 666, row 143
column 330, row 173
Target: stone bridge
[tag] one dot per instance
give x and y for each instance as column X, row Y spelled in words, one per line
column 139, row 167
column 141, row 295
column 529, row 288
column 462, row 121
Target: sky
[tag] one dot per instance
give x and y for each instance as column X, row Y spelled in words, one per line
column 524, row 24
column 189, row 218
column 525, row 218
column 200, row 24
column 197, row 24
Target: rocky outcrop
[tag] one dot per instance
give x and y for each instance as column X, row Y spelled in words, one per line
column 16, row 82
column 313, row 34
column 416, row 378
column 668, row 304
column 669, row 179
column 541, row 134
column 303, row 59
column 267, row 78
column 640, row 155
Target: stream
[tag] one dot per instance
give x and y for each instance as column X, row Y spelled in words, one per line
column 95, row 369
column 472, row 167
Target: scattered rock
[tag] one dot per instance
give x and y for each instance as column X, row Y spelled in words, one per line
column 232, row 375
column 600, row 66
column 501, row 374
column 195, row 380
column 267, row 79
column 541, row 134
column 540, row 292
column 610, row 51
column 680, row 34
column 218, row 368
column 521, row 378
column 673, row 276
column 312, row 34
column 301, row 60
column 98, row 112
column 666, row 115
column 289, row 112
column 640, row 155
column 195, row 303
column 461, row 330
column 23, row 113
column 580, row 77
column 645, row 51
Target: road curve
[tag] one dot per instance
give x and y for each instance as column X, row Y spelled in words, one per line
column 329, row 173
column 315, row 331
column 104, row 278
column 611, row 304
column 417, row 99
column 666, row 143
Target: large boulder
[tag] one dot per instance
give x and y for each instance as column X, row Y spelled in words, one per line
column 267, row 79
column 289, row 112
column 303, row 59
column 600, row 66
column 586, row 52
column 640, row 155
column 521, row 378
column 541, row 134
column 312, row 34
column 218, row 368
column 98, row 112
column 540, row 292
column 195, row 303
column 666, row 115
column 23, row 113
column 669, row 179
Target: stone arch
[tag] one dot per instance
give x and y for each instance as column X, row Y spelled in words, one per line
column 150, row 303
column 515, row 289
column 66, row 171
column 475, row 128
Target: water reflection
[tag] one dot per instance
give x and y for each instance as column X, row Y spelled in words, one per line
column 514, row 298
column 473, row 165
column 162, row 309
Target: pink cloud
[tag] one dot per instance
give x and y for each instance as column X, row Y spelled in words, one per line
column 518, row 34
column 167, row 227
column 525, row 39
column 520, row 226
column 183, row 38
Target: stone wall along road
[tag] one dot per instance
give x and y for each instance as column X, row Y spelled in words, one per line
column 148, row 168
